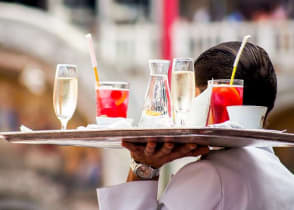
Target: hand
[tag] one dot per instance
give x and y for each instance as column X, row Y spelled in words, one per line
column 157, row 154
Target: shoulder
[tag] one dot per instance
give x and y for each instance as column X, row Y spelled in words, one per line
column 194, row 173
column 199, row 180
column 200, row 167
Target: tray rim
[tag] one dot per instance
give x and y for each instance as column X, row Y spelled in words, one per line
column 92, row 136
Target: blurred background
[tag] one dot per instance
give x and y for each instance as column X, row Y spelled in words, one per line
column 36, row 35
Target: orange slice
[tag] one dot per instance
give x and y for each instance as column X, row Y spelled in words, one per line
column 121, row 99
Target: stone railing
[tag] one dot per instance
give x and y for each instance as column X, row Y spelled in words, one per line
column 277, row 38
column 134, row 45
column 128, row 45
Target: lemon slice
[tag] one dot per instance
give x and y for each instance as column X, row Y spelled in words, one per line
column 152, row 113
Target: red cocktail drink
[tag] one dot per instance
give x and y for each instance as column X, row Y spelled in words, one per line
column 223, row 95
column 112, row 99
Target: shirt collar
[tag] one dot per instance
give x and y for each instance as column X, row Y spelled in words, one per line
column 268, row 149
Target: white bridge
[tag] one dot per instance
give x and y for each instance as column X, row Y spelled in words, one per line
column 138, row 43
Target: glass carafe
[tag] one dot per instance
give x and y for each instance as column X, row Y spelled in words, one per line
column 157, row 107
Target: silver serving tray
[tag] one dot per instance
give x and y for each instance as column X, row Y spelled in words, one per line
column 112, row 138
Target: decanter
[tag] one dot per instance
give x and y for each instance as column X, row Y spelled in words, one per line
column 157, row 105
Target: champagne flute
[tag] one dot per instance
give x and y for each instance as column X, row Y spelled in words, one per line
column 182, row 88
column 65, row 92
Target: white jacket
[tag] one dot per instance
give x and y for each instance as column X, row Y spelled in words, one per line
column 233, row 179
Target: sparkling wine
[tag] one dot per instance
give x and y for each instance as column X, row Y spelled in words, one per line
column 65, row 97
column 183, row 90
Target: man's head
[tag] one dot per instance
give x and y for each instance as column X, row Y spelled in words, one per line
column 255, row 68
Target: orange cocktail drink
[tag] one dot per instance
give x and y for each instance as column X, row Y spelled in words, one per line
column 223, row 94
column 112, row 99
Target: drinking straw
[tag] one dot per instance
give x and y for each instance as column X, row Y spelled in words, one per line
column 245, row 39
column 93, row 56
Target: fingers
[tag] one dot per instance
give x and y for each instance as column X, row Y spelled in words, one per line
column 150, row 148
column 186, row 148
column 157, row 154
column 165, row 149
column 136, row 151
column 128, row 145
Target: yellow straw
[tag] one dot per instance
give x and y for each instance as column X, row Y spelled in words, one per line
column 96, row 75
column 93, row 57
column 245, row 39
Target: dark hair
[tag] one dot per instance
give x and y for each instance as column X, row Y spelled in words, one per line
column 255, row 68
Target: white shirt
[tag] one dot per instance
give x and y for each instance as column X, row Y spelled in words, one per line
column 233, row 179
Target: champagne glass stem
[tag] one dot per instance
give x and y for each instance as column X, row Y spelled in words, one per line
column 181, row 119
column 182, row 122
column 63, row 124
